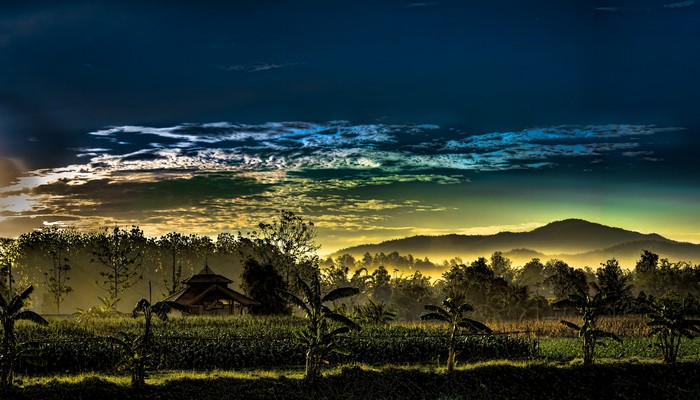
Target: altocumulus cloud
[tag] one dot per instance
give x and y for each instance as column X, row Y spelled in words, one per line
column 166, row 175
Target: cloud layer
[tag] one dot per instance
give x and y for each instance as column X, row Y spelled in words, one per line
column 223, row 176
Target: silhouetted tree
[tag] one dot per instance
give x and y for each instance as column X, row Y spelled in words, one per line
column 669, row 322
column 453, row 312
column 589, row 308
column 612, row 280
column 121, row 253
column 264, row 283
column 564, row 280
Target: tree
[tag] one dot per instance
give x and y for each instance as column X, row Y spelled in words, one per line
column 531, row 275
column 612, row 280
column 410, row 293
column 264, row 283
column 502, row 267
column 8, row 254
column 590, row 308
column 322, row 323
column 380, row 284
column 293, row 238
column 645, row 273
column 669, row 323
column 121, row 254
column 564, row 280
column 10, row 312
column 175, row 244
column 453, row 312
column 56, row 243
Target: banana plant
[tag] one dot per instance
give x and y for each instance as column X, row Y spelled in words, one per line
column 323, row 324
column 669, row 322
column 11, row 352
column 589, row 308
column 138, row 348
column 453, row 312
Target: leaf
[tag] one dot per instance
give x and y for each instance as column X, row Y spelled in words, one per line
column 295, row 299
column 434, row 316
column 340, row 293
column 570, row 325
column 32, row 316
column 343, row 320
column 475, row 325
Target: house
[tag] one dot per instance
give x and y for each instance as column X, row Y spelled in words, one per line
column 207, row 293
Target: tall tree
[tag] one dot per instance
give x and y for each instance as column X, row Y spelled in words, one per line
column 8, row 254
column 502, row 267
column 174, row 244
column 292, row 237
column 56, row 244
column 564, row 280
column 120, row 252
column 612, row 280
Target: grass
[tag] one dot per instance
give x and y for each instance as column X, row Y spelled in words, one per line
column 485, row 380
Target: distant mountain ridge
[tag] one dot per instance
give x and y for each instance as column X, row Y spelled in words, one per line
column 576, row 241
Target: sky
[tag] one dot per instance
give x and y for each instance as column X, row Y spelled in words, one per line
column 373, row 119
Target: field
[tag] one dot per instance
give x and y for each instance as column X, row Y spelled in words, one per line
column 259, row 358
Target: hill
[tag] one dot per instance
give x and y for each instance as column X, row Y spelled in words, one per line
column 576, row 241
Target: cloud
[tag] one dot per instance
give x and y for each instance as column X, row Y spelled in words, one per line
column 224, row 176
column 257, row 67
column 680, row 4
column 424, row 4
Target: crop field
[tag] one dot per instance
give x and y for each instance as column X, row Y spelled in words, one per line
column 208, row 343
column 255, row 357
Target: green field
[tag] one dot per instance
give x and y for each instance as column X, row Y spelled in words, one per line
column 200, row 357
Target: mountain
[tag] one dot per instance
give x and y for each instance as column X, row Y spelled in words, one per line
column 576, row 241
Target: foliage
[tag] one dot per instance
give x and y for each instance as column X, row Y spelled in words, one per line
column 321, row 328
column 56, row 243
column 11, row 352
column 374, row 313
column 669, row 320
column 564, row 280
column 139, row 347
column 612, row 280
column 263, row 283
column 588, row 332
column 453, row 313
column 120, row 252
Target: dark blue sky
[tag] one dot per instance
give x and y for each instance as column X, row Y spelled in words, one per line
column 471, row 68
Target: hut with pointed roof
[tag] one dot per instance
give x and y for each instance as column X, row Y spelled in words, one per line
column 207, row 293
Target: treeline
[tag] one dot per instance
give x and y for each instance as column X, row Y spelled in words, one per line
column 499, row 290
column 112, row 268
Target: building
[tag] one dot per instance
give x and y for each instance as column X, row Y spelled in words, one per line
column 207, row 293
